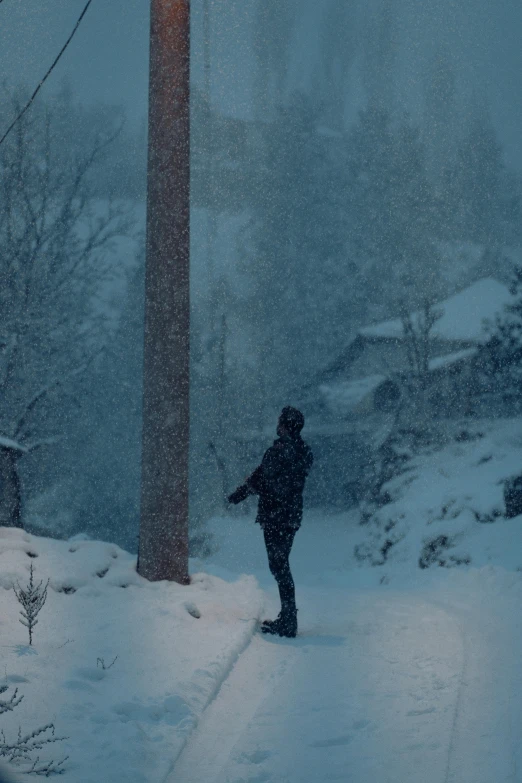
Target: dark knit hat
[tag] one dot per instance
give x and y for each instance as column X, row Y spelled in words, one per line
column 292, row 420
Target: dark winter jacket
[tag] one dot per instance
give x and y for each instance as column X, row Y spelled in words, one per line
column 279, row 481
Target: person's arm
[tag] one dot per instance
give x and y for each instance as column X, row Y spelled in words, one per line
column 252, row 486
column 257, row 482
column 240, row 494
column 266, row 479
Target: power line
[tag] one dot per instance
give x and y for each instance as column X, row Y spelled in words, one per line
column 40, row 85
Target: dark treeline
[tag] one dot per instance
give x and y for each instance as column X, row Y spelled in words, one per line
column 348, row 228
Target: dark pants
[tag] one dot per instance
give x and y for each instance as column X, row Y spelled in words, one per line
column 278, row 545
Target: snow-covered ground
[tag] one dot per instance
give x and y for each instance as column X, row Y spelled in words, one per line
column 447, row 506
column 129, row 720
column 399, row 674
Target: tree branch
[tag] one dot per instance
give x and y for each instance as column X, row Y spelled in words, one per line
column 42, row 393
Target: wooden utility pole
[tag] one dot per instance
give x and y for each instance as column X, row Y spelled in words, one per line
column 163, row 546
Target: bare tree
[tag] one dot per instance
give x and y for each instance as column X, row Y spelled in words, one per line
column 55, row 240
column 417, row 329
column 389, row 449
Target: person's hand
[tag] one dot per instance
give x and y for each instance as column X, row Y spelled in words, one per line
column 235, row 497
column 239, row 495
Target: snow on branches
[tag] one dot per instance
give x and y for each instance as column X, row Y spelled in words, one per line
column 14, row 701
column 32, row 598
column 24, row 746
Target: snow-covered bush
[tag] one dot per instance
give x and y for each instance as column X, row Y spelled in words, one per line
column 21, row 749
column 513, row 496
column 502, row 356
column 446, row 507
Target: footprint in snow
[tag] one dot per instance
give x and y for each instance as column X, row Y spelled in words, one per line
column 78, row 685
column 360, row 724
column 420, row 712
column 332, row 743
column 262, row 777
column 15, row 678
column 256, row 757
column 172, row 711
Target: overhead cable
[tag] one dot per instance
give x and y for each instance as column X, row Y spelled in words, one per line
column 40, row 85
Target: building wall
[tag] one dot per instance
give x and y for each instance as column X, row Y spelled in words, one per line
column 389, row 356
column 379, row 357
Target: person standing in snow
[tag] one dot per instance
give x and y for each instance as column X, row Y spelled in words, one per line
column 279, row 482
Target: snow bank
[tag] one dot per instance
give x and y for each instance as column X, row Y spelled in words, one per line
column 172, row 647
column 447, row 507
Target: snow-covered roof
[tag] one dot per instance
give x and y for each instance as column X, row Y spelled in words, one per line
column 7, row 443
column 463, row 314
column 451, row 358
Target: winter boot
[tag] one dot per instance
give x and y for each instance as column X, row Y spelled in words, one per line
column 271, row 626
column 267, row 625
column 288, row 623
column 285, row 625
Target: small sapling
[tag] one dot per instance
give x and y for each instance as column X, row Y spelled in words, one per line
column 32, row 598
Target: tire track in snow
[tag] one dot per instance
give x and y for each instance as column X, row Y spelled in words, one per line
column 375, row 700
column 482, row 748
column 255, row 674
column 458, row 699
column 457, row 708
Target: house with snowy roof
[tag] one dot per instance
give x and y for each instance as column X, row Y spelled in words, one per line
column 366, row 377
column 352, row 403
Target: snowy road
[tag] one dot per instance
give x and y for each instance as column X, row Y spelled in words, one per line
column 420, row 684
column 485, row 740
column 369, row 691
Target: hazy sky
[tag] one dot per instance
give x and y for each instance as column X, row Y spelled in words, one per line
column 108, row 59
